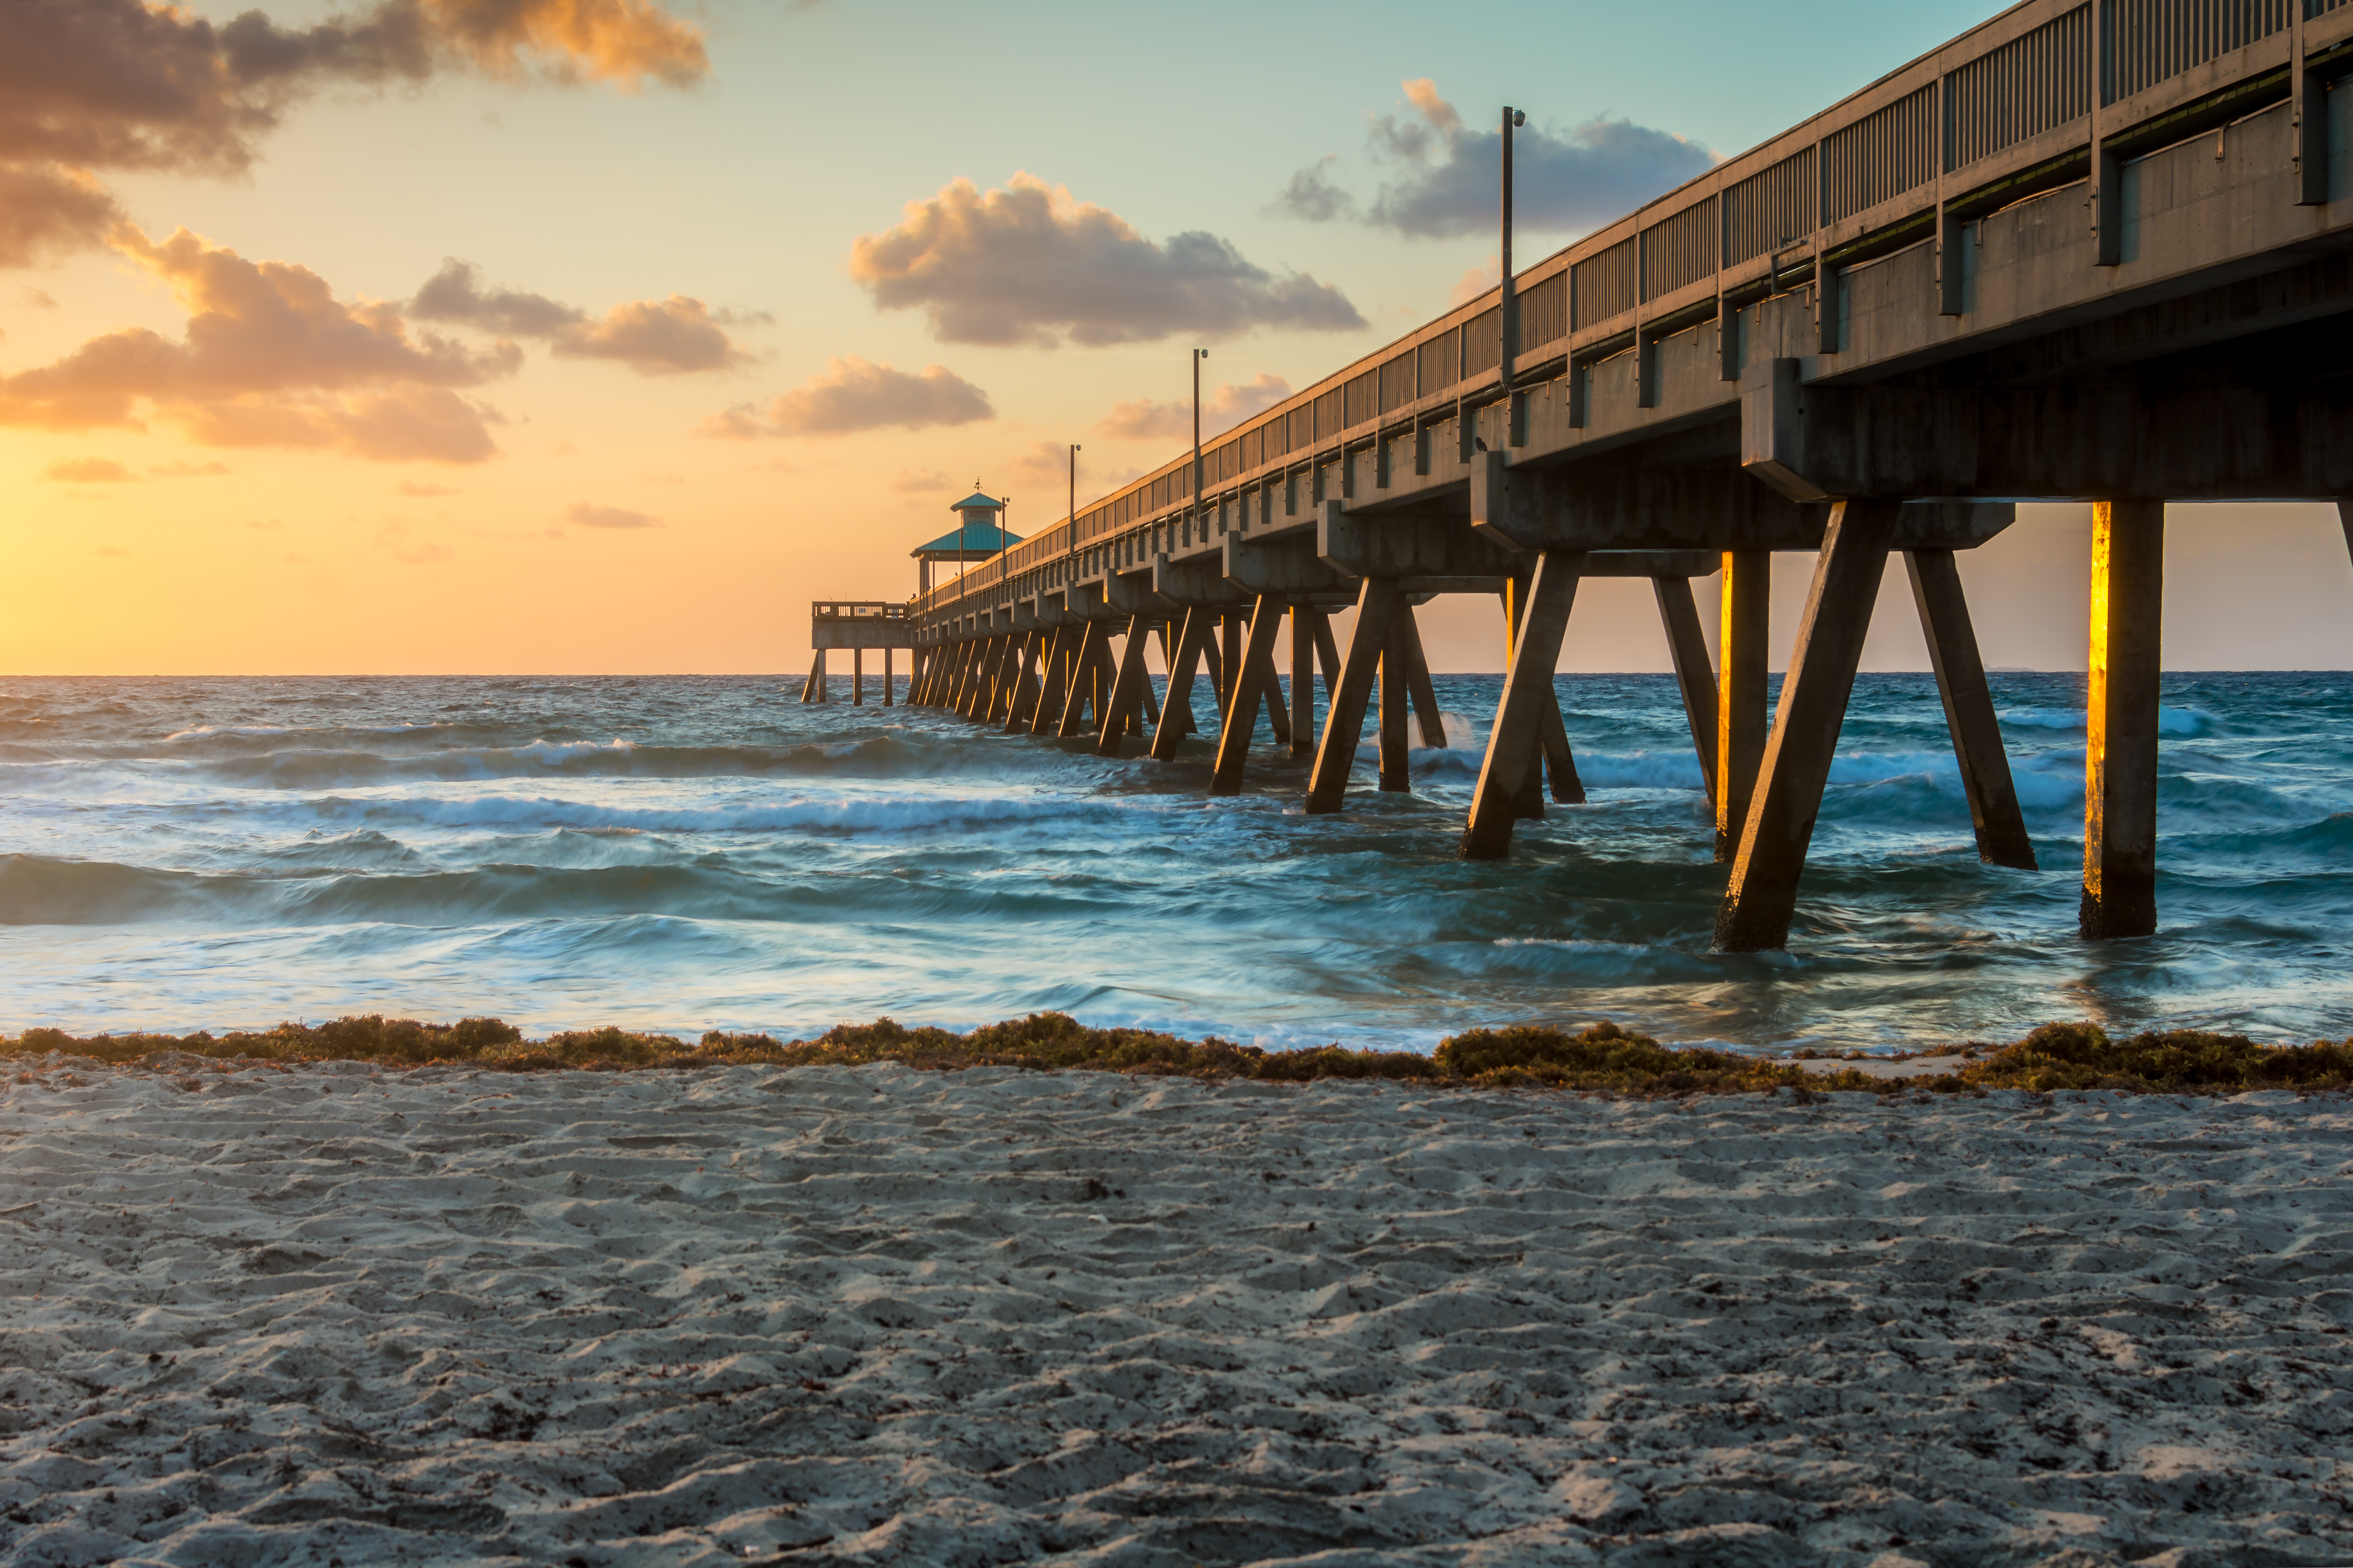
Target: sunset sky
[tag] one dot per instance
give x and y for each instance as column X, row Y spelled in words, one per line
column 601, row 335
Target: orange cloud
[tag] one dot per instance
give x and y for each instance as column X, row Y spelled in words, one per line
column 858, row 394
column 271, row 358
column 142, row 84
column 1030, row 264
column 623, row 41
column 653, row 337
column 139, row 84
column 46, row 211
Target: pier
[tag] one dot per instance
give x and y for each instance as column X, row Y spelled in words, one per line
column 2090, row 252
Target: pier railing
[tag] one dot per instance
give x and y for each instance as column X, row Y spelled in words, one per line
column 2046, row 94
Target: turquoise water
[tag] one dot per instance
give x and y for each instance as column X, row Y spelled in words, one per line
column 691, row 853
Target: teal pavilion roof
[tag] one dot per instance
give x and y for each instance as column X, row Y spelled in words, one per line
column 979, row 537
column 974, row 538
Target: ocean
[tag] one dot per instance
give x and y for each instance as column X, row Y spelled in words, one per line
column 683, row 853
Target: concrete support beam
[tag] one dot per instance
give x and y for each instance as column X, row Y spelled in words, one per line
column 2195, row 437
column 1377, row 604
column 1645, row 514
column 1128, row 690
column 1053, row 679
column 1514, row 743
column 1227, row 668
column 1687, row 649
column 1302, row 680
column 2120, row 739
column 1254, row 686
column 1023, row 705
column 813, row 688
column 886, row 676
column 1968, row 709
column 1091, row 644
column 1425, row 694
column 1762, row 894
column 1176, row 717
column 1290, row 567
column 1395, row 749
column 1416, row 542
column 1742, row 652
column 1528, row 806
column 1568, row 789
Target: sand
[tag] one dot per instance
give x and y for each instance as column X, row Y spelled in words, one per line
column 828, row 1317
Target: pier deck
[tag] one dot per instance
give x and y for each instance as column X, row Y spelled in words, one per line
column 2083, row 252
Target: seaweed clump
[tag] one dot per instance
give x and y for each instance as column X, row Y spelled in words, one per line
column 2168, row 1061
column 1600, row 1057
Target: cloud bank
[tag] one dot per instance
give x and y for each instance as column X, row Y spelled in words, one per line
column 1028, row 264
column 271, row 358
column 90, row 85
column 854, row 395
column 1446, row 178
column 653, row 337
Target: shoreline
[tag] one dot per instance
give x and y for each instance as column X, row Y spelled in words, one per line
column 1600, row 1057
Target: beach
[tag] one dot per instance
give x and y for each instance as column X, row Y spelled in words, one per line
column 338, row 1313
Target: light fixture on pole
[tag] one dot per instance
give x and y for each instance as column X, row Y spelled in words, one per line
column 1199, row 355
column 1074, row 489
column 1508, row 321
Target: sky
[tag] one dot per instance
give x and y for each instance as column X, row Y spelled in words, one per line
column 416, row 336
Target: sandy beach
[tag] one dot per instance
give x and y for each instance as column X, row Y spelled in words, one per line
column 338, row 1314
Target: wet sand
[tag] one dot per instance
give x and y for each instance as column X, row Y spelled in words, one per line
column 876, row 1316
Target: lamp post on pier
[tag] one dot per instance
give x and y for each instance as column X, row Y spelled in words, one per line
column 1199, row 355
column 1505, row 324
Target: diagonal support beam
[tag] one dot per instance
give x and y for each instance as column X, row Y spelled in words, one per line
column 1177, row 716
column 1568, row 789
column 1517, row 737
column 1378, row 603
column 1327, row 654
column 1968, row 709
column 1023, row 710
column 1128, row 688
column 1302, row 680
column 1054, row 680
column 1256, row 683
column 1417, row 674
column 1763, row 892
column 1082, row 681
column 2120, row 735
column 1687, row 648
column 1396, row 751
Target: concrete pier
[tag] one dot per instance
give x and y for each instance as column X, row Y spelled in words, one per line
column 2074, row 254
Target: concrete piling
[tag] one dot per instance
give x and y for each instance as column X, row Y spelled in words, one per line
column 1516, row 743
column 1968, row 709
column 1378, row 601
column 2120, row 732
column 1687, row 649
column 1762, row 894
column 1740, row 720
